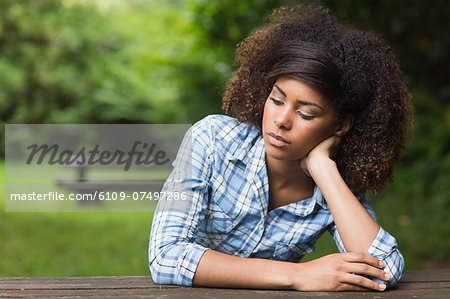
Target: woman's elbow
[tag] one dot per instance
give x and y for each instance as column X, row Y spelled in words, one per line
column 161, row 271
column 164, row 264
column 157, row 274
column 158, row 269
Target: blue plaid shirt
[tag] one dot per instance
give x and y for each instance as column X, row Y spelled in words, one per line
column 220, row 169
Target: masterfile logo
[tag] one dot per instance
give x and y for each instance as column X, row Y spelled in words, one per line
column 91, row 167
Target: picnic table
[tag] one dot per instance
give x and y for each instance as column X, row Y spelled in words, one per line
column 414, row 284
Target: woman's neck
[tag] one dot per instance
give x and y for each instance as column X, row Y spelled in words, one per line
column 288, row 174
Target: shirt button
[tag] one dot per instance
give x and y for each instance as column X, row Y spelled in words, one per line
column 244, row 252
column 261, row 226
column 211, row 216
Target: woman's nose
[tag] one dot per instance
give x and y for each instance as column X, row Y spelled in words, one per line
column 282, row 119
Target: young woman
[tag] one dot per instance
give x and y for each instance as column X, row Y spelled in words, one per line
column 322, row 113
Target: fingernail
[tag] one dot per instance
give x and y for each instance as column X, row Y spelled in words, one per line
column 382, row 286
column 387, row 276
column 381, row 264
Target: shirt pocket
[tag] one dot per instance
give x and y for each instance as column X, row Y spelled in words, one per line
column 217, row 221
column 290, row 252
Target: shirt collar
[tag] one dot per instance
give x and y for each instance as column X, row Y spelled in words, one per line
column 302, row 208
column 251, row 150
column 307, row 206
column 256, row 158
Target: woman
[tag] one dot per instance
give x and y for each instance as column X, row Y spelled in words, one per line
column 322, row 113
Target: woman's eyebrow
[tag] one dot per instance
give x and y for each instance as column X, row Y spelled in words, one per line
column 298, row 101
column 309, row 103
column 280, row 90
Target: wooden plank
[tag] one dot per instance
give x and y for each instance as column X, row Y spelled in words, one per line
column 419, row 277
column 418, row 283
column 220, row 293
column 105, row 282
column 426, row 275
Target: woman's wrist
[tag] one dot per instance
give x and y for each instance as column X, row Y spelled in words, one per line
column 290, row 273
column 320, row 164
column 218, row 269
column 296, row 276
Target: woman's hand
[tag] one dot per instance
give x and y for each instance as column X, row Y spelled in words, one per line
column 338, row 272
column 319, row 154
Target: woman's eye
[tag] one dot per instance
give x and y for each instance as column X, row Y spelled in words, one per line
column 305, row 116
column 277, row 102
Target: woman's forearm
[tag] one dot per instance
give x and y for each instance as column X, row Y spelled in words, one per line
column 218, row 269
column 356, row 227
column 329, row 273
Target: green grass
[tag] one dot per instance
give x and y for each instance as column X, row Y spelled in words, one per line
column 72, row 244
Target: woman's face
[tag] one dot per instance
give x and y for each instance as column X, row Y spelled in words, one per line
column 296, row 118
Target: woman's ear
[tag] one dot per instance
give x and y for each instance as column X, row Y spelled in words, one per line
column 343, row 126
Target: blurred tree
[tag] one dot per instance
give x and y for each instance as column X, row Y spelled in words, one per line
column 63, row 64
column 87, row 62
column 418, row 33
column 116, row 61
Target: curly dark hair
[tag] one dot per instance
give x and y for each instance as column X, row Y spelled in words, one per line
column 355, row 71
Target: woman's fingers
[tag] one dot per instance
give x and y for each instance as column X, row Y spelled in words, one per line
column 364, row 264
column 352, row 287
column 365, row 269
column 361, row 281
column 355, row 257
column 361, row 263
column 328, row 145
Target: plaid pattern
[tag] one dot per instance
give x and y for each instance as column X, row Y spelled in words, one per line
column 221, row 167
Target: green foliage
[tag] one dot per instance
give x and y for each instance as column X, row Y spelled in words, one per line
column 139, row 61
column 223, row 24
column 74, row 64
column 416, row 30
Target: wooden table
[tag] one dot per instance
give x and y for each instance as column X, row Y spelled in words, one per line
column 414, row 284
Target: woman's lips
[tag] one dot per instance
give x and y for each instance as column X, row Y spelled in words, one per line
column 277, row 140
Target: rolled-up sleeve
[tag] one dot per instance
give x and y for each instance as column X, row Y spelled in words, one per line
column 173, row 253
column 383, row 247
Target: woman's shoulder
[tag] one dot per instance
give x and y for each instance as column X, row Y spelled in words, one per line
column 224, row 128
column 224, row 137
